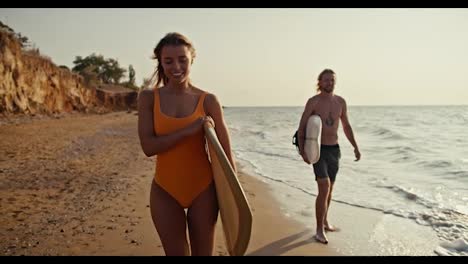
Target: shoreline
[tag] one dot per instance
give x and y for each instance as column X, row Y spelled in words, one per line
column 79, row 185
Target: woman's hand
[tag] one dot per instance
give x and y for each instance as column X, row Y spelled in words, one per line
column 198, row 124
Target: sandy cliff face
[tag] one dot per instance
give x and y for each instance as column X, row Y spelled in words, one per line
column 31, row 83
column 116, row 97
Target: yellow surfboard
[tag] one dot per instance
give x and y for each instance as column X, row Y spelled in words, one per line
column 235, row 212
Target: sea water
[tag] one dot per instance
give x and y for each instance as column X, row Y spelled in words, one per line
column 414, row 163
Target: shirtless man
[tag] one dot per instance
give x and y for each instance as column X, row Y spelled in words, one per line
column 331, row 108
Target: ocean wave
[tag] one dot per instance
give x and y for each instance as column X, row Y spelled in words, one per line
column 432, row 164
column 404, row 158
column 459, row 174
column 458, row 247
column 448, row 224
column 411, row 195
column 292, row 157
column 387, row 133
column 244, row 133
column 401, row 149
column 401, row 153
column 429, row 153
column 234, row 129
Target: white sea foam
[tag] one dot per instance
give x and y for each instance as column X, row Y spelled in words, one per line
column 410, row 171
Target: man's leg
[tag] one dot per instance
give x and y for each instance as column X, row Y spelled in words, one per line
column 332, row 170
column 321, row 205
column 327, row 226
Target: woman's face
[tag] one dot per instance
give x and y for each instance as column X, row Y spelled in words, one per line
column 176, row 62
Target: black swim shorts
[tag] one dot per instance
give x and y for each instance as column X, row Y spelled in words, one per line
column 329, row 162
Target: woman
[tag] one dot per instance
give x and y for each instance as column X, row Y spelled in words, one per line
column 170, row 125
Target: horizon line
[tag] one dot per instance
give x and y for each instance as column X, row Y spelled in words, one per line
column 357, row 105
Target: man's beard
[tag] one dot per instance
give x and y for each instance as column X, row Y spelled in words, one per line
column 328, row 90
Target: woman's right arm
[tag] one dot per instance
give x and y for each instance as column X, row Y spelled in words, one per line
column 151, row 143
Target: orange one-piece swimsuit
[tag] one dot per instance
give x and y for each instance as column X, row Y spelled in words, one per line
column 183, row 171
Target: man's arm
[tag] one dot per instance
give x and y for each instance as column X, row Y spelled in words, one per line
column 308, row 111
column 349, row 131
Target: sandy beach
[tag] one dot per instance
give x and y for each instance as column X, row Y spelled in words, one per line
column 79, row 184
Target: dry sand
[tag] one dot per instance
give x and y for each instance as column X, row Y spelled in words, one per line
column 79, row 185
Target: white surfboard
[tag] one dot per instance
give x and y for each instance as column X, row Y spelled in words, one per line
column 234, row 209
column 312, row 140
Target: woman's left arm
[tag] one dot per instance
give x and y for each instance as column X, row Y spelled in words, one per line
column 214, row 110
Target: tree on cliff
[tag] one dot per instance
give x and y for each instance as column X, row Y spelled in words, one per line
column 23, row 40
column 106, row 70
column 131, row 75
column 131, row 79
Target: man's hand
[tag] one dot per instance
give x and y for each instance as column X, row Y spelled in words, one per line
column 357, row 154
column 304, row 157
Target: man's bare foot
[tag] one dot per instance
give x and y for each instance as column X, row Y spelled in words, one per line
column 320, row 237
column 331, row 228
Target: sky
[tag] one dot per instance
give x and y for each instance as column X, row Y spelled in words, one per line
column 272, row 57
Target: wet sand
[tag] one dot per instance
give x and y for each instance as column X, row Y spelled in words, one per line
column 78, row 184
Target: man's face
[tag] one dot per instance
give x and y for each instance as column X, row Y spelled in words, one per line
column 327, row 83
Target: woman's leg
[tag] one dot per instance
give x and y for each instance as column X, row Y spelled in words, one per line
column 170, row 222
column 202, row 216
